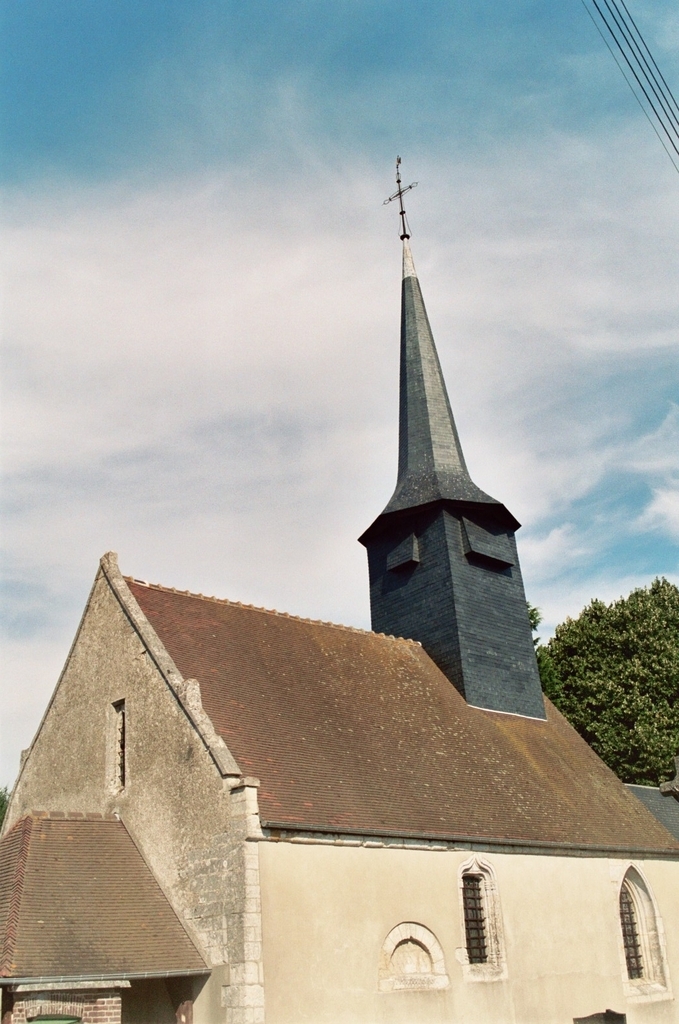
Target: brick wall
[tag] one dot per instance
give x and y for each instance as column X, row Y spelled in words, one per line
column 96, row 1007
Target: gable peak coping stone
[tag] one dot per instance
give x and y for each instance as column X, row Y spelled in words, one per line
column 186, row 691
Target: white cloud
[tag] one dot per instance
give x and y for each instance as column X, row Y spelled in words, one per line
column 662, row 512
column 657, row 452
column 547, row 556
column 556, row 603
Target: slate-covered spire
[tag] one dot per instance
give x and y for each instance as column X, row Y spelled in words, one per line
column 443, row 563
column 431, row 465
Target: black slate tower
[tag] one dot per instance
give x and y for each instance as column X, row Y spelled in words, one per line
column 442, row 556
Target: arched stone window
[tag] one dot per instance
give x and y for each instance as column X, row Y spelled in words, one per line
column 641, row 939
column 411, row 959
column 482, row 956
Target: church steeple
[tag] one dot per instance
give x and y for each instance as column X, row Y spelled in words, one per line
column 431, row 465
column 443, row 563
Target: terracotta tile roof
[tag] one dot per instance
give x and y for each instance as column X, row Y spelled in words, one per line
column 358, row 732
column 76, row 898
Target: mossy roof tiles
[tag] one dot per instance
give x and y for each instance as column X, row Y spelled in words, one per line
column 352, row 731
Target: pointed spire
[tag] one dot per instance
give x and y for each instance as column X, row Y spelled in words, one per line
column 431, row 465
column 408, row 262
column 444, row 569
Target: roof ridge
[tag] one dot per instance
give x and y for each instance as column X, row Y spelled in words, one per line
column 71, row 816
column 267, row 611
column 12, row 922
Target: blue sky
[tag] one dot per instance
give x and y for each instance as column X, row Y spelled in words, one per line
column 201, row 313
column 98, row 89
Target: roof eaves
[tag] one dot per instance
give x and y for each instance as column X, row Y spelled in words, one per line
column 287, row 831
column 390, row 514
column 186, row 691
column 79, row 979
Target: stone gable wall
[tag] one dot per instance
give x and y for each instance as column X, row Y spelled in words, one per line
column 175, row 803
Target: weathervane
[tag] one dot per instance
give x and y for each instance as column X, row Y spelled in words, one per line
column 399, row 194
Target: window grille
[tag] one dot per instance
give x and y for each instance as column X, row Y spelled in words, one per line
column 630, row 935
column 474, row 918
column 120, row 744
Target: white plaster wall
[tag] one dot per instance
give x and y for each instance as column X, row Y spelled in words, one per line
column 326, row 911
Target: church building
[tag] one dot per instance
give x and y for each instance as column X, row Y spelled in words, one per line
column 230, row 815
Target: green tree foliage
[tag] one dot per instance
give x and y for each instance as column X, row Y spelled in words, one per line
column 614, row 673
column 535, row 618
column 545, row 666
column 4, row 799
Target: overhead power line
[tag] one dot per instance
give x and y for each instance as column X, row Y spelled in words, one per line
column 629, row 49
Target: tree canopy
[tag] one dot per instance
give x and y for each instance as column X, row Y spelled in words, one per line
column 614, row 673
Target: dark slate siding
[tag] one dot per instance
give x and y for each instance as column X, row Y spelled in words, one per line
column 468, row 612
column 499, row 668
column 464, row 599
column 664, row 808
column 418, row 603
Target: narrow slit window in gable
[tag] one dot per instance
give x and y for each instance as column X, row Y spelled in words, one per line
column 120, row 752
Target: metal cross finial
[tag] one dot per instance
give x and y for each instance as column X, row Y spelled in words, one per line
column 399, row 194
